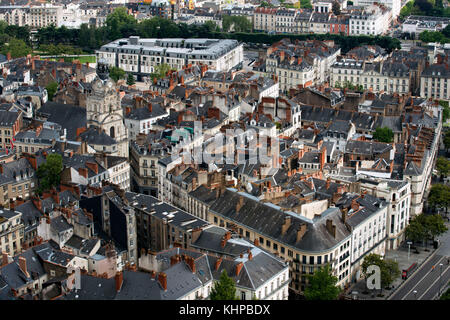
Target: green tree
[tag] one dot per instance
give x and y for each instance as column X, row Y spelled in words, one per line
column 434, row 225
column 447, row 139
column 443, row 166
column 52, row 87
column 322, row 285
column 49, row 173
column 384, row 134
column 17, row 48
column 446, row 295
column 415, row 231
column 120, row 24
column 388, row 268
column 160, row 71
column 116, row 73
column 439, row 195
column 446, row 109
column 224, row 289
column 130, row 80
column 433, row 36
column 336, row 8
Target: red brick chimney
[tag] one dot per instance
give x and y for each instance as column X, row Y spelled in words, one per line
column 4, row 259
column 80, row 131
column 8, row 56
column 174, row 259
column 217, row 264
column 150, row 107
column 93, row 166
column 23, row 266
column 250, row 255
column 37, row 203
column 191, row 263
column 119, row 281
column 83, row 172
column 355, row 205
column 162, row 278
column 239, row 268
column 256, row 242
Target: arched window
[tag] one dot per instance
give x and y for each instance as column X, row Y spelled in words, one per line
column 111, row 132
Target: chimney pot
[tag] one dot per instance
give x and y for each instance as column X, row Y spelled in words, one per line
column 119, row 281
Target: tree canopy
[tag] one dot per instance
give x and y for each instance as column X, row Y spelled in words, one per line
column 322, row 285
column 388, row 268
column 49, row 172
column 116, row 73
column 16, row 47
column 439, row 195
column 447, row 139
column 237, row 23
column 52, row 87
column 224, row 289
column 130, row 80
column 424, row 227
column 160, row 71
column 443, row 166
column 336, row 8
column 384, row 134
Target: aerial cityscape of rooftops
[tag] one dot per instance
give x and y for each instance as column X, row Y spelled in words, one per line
column 224, row 150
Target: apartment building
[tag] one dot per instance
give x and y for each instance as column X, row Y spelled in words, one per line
column 301, row 64
column 388, row 76
column 286, row 234
column 140, row 56
column 265, row 19
column 365, row 216
column 17, row 180
column 394, row 5
column 10, row 124
column 417, row 24
column 435, row 82
column 116, row 217
column 15, row 15
column 11, row 232
column 161, row 226
column 372, row 20
column 284, row 20
column 144, row 155
column 140, row 120
column 46, row 15
column 398, row 193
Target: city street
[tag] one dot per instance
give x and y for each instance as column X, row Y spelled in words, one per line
column 426, row 282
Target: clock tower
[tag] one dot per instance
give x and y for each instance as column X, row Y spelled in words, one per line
column 104, row 111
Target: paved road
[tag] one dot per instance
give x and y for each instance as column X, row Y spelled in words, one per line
column 426, row 281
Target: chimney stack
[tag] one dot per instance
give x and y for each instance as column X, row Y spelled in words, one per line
column 23, row 266
column 240, row 203
column 217, row 264
column 239, row 268
column 162, row 278
column 119, row 281
column 191, row 263
column 5, row 260
column 301, row 232
column 331, row 228
column 286, row 224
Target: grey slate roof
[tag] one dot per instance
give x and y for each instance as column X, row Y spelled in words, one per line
column 267, row 219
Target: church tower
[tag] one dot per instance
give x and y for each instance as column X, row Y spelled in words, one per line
column 104, row 111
